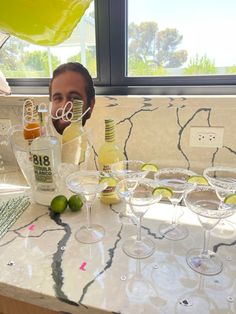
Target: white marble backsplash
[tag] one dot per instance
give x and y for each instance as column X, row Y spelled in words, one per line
column 153, row 128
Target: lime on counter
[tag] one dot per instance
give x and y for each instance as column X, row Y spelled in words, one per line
column 230, row 199
column 58, row 204
column 163, row 191
column 198, row 180
column 149, row 167
column 75, row 203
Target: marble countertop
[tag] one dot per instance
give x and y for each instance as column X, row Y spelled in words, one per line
column 42, row 263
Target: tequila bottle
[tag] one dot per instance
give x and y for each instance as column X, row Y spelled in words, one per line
column 46, row 158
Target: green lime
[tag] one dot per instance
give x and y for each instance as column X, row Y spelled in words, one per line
column 149, row 167
column 111, row 181
column 75, row 203
column 59, row 204
column 230, row 199
column 198, row 180
column 163, row 191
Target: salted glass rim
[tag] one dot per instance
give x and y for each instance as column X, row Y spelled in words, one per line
column 126, row 196
column 174, row 170
column 217, row 181
column 170, row 171
column 129, row 161
column 222, row 210
column 84, row 173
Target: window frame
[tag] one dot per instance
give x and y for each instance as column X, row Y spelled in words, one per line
column 111, row 50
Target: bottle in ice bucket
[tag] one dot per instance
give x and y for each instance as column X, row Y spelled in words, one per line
column 75, row 143
column 108, row 154
column 75, row 128
column 46, row 158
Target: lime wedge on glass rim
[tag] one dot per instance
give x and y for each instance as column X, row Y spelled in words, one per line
column 230, row 199
column 149, row 167
column 198, row 180
column 111, row 181
column 163, row 191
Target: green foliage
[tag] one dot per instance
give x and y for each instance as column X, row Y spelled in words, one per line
column 200, row 65
column 90, row 60
column 149, row 45
column 23, row 73
column 17, row 61
column 138, row 67
column 231, row 70
column 10, row 55
column 38, row 60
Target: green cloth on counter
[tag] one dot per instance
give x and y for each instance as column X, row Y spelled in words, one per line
column 10, row 211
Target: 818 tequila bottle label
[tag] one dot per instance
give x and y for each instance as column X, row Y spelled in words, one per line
column 42, row 168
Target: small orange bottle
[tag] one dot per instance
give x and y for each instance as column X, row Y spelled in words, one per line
column 31, row 121
column 31, row 131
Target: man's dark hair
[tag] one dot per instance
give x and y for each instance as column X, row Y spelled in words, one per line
column 79, row 68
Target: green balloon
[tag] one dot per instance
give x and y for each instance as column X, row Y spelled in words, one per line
column 44, row 22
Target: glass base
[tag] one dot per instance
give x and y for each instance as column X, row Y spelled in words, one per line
column 194, row 302
column 173, row 232
column 224, row 229
column 138, row 288
column 90, row 235
column 138, row 249
column 205, row 265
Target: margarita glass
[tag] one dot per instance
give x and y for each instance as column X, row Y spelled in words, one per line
column 128, row 169
column 204, row 201
column 138, row 193
column 174, row 179
column 88, row 185
column 223, row 179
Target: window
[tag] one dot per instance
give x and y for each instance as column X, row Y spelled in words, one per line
column 179, row 38
column 132, row 47
column 150, row 71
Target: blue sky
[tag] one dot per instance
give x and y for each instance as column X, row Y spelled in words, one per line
column 208, row 27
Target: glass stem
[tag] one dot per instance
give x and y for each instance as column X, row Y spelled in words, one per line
column 174, row 220
column 206, row 242
column 138, row 268
column 89, row 222
column 139, row 229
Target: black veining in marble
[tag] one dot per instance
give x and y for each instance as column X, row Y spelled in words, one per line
column 183, row 127
column 111, row 98
column 230, row 149
column 214, row 156
column 112, row 105
column 57, row 271
column 131, row 126
column 153, row 234
column 147, row 105
column 111, row 252
column 16, row 230
column 147, row 99
column 217, row 246
column 29, row 223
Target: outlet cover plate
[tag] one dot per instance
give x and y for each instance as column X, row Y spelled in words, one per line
column 206, row 136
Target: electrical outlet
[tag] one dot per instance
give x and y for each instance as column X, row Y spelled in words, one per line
column 206, row 136
column 5, row 125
